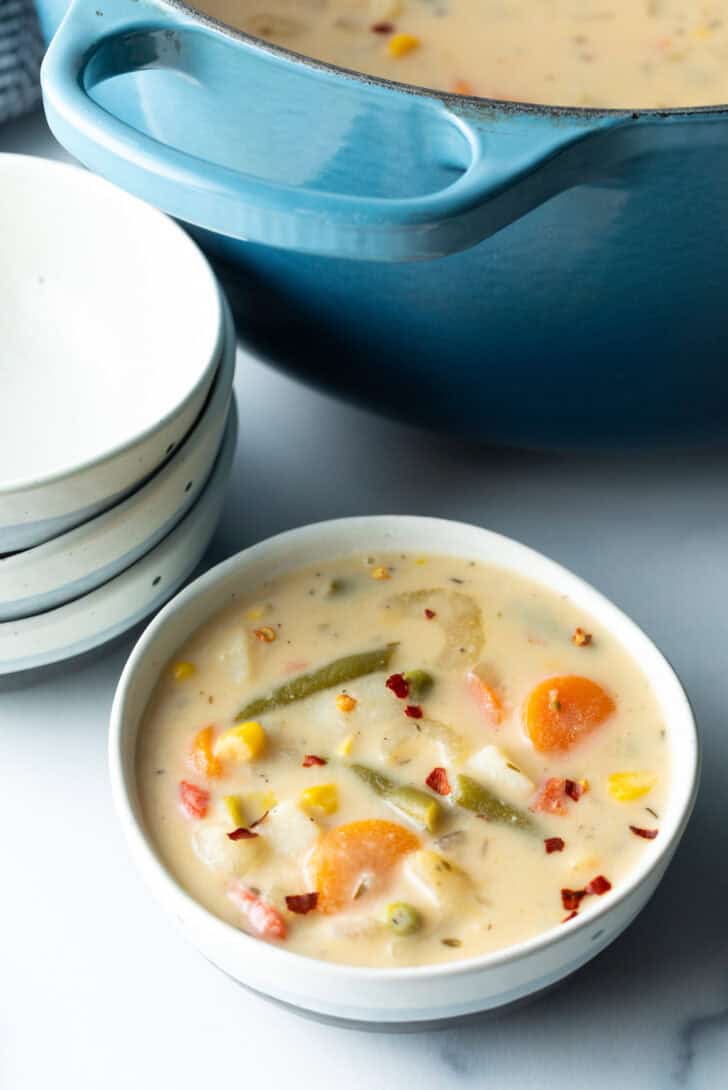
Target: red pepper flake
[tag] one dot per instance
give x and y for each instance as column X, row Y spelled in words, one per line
column 301, row 903
column 414, row 711
column 398, row 685
column 382, row 28
column 553, row 844
column 430, row 613
column 193, row 800
column 438, row 781
column 599, row 885
column 572, row 898
column 242, row 834
column 573, row 789
column 646, row 834
column 570, row 916
column 311, row 759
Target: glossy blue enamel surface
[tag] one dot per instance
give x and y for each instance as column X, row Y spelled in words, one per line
column 519, row 275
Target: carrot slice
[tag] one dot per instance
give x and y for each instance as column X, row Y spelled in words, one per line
column 561, row 711
column 361, row 851
column 486, row 696
column 202, row 758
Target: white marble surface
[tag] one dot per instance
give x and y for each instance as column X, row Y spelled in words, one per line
column 96, row 988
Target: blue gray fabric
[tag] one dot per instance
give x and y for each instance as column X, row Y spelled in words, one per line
column 21, row 51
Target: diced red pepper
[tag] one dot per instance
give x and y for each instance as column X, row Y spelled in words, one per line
column 194, row 800
column 311, row 759
column 413, row 711
column 430, row 614
column 599, row 885
column 399, row 685
column 646, row 834
column 301, row 903
column 242, row 834
column 263, row 919
column 553, row 844
column 438, row 781
column 570, row 916
column 572, row 898
column 550, row 797
column 382, row 28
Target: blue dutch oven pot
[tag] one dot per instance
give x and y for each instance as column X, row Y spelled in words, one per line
column 522, row 274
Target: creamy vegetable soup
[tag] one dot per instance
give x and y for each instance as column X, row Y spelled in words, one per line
column 632, row 53
column 396, row 760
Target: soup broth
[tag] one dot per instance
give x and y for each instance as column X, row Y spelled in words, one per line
column 401, row 760
column 600, row 53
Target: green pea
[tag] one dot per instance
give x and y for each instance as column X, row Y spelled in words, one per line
column 403, row 919
column 420, row 683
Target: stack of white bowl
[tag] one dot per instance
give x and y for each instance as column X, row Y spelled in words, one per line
column 117, row 421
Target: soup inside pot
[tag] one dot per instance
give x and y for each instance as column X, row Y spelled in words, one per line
column 402, row 760
column 601, row 53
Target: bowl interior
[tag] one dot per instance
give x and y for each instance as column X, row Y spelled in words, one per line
column 383, row 533
column 99, row 294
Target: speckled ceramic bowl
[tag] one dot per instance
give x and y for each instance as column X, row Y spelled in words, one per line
column 75, row 563
column 406, row 995
column 30, row 645
column 111, row 329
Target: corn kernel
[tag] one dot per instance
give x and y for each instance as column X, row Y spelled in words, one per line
column 254, row 614
column 701, row 32
column 266, row 634
column 380, row 573
column 421, row 560
column 322, row 799
column 345, row 703
column 345, row 746
column 401, row 44
column 243, row 742
column 183, row 671
column 628, row 786
column 234, row 807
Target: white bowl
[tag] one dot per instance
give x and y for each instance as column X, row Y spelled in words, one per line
column 405, row 995
column 105, row 613
column 69, row 566
column 110, row 333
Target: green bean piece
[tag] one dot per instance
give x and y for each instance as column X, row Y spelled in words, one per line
column 473, row 796
column 420, row 683
column 403, row 919
column 419, row 806
column 330, row 676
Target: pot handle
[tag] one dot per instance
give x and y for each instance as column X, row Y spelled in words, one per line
column 313, row 160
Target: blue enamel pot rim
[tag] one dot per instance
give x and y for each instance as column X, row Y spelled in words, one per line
column 448, row 97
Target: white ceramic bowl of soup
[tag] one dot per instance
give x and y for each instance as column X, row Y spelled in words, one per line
column 426, row 993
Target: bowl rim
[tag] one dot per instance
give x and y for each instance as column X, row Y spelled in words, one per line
column 149, row 861
column 85, row 177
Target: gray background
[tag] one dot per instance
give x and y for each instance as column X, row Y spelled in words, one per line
column 99, row 991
